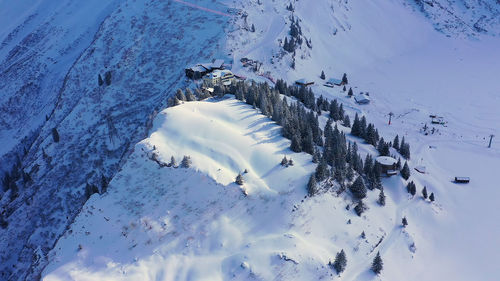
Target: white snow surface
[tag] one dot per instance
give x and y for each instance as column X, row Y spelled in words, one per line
column 196, row 224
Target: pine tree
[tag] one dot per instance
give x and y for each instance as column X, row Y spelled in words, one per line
column 377, row 264
column 189, row 95
column 172, row 162
column 340, row 262
column 344, row 89
column 356, row 126
column 311, row 186
column 316, row 156
column 350, row 93
column 321, row 170
column 284, row 161
column 405, row 172
column 363, row 235
column 322, row 76
column 408, row 187
column 431, row 197
column 398, row 164
column 381, row 198
column 99, row 80
column 107, row 77
column 239, row 179
column 360, row 208
column 395, row 143
column 413, row 190
column 253, row 28
column 296, row 144
column 404, row 221
column 424, row 192
column 344, row 79
column 55, row 135
column 180, row 95
column 186, row 162
column 358, row 188
column 347, row 121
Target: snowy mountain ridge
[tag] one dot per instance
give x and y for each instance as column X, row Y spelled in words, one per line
column 52, row 53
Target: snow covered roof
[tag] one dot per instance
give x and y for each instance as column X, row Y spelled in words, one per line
column 197, row 68
column 206, row 65
column 218, row 63
column 386, row 160
column 334, row 81
column 303, row 81
column 362, row 98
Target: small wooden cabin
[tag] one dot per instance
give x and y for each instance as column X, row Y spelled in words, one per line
column 362, row 99
column 387, row 165
column 333, row 82
column 304, row 82
column 462, row 179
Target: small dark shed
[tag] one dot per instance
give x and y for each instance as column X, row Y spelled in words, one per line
column 462, row 179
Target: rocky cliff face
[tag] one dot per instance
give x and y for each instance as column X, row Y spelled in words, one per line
column 64, row 131
column 463, row 17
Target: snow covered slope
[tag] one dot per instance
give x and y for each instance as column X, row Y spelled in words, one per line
column 197, row 224
column 391, row 50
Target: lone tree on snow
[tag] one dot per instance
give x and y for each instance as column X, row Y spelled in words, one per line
column 431, row 197
column 350, row 93
column 381, row 198
column 340, row 262
column 322, row 76
column 239, row 179
column 284, row 161
column 424, row 192
column 377, row 264
column 404, row 222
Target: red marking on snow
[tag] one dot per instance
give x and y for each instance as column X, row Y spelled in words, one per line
column 203, row 8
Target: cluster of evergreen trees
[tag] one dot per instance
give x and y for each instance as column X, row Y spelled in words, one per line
column 295, row 36
column 361, row 129
column 403, row 148
column 336, row 157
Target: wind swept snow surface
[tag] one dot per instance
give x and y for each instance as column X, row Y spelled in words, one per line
column 196, row 224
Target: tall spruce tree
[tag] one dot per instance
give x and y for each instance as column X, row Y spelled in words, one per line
column 431, row 197
column 358, row 188
column 405, row 172
column 377, row 264
column 311, row 186
column 424, row 192
column 322, row 76
column 395, row 142
column 340, row 262
column 381, row 198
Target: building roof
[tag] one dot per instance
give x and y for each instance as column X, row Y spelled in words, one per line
column 362, row 98
column 303, row 81
column 386, row 160
column 218, row 63
column 334, row 81
column 197, row 68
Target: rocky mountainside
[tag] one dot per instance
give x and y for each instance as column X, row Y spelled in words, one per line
column 62, row 130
